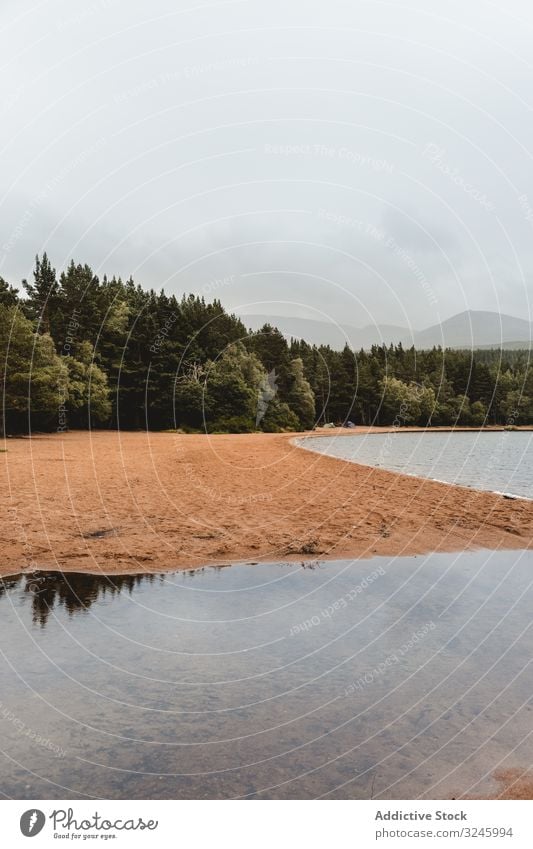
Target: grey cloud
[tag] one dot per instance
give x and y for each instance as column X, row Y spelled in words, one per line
column 159, row 140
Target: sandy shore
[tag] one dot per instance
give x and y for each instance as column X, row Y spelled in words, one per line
column 128, row 502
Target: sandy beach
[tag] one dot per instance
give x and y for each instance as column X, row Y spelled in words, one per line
column 127, row 502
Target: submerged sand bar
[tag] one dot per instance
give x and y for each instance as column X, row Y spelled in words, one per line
column 129, row 502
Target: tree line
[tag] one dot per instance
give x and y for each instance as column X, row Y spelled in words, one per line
column 78, row 351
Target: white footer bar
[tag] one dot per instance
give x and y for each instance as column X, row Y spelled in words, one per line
column 268, row 824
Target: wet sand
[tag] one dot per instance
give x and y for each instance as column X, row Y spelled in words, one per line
column 127, row 502
column 514, row 783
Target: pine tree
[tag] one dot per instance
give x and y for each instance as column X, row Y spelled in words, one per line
column 42, row 301
column 8, row 295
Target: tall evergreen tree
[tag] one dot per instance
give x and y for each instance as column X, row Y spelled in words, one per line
column 8, row 295
column 42, row 301
column 145, row 359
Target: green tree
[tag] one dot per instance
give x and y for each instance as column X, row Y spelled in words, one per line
column 517, row 408
column 43, row 295
column 88, row 391
column 478, row 413
column 400, row 404
column 232, row 383
column 301, row 399
column 34, row 378
column 279, row 417
column 8, row 295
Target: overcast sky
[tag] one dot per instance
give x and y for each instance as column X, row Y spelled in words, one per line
column 350, row 161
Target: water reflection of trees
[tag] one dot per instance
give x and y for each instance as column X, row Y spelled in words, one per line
column 77, row 591
column 74, row 591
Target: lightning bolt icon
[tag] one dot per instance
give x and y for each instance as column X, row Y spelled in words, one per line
column 33, row 820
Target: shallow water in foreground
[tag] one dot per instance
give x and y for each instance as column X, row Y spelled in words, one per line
column 391, row 677
column 499, row 461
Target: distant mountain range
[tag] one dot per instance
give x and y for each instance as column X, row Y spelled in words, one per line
column 470, row 329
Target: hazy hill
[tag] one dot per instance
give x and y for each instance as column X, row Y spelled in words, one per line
column 470, row 329
column 474, row 329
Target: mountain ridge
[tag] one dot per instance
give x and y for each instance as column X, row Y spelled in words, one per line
column 467, row 329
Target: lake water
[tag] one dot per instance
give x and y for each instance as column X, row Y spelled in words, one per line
column 390, row 677
column 500, row 461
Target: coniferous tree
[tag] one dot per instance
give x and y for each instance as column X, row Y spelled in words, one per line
column 8, row 295
column 43, row 295
column 134, row 358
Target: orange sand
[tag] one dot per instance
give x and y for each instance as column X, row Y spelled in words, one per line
column 129, row 502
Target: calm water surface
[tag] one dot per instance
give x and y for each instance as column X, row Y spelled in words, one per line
column 393, row 678
column 497, row 461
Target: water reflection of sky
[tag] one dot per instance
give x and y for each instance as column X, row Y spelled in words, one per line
column 394, row 677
